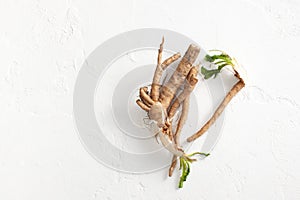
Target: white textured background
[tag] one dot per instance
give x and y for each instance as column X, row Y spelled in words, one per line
column 42, row 46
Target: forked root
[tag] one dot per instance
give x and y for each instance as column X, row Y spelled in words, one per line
column 155, row 86
column 142, row 105
column 145, row 97
column 190, row 84
column 170, row 88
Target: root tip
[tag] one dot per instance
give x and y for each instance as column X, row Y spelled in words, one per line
column 189, row 139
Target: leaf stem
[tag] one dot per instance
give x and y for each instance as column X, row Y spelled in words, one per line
column 185, row 162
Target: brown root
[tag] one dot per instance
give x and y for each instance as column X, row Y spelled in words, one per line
column 173, row 165
column 182, row 120
column 169, row 90
column 154, row 94
column 234, row 90
column 147, row 93
column 145, row 97
column 188, row 88
column 170, row 60
column 142, row 105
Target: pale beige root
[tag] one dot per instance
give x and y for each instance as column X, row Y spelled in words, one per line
column 182, row 120
column 158, row 114
column 169, row 90
column 234, row 90
column 167, row 140
column 191, row 81
column 167, row 130
column 154, row 93
column 152, row 103
column 142, row 105
column 173, row 165
column 185, row 97
column 183, row 117
column 155, row 86
column 145, row 97
column 170, row 60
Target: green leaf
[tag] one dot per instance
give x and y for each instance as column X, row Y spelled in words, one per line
column 221, row 66
column 208, row 58
column 226, row 58
column 185, row 166
column 217, row 59
column 209, row 73
column 183, row 176
column 180, row 161
column 185, row 171
column 180, row 183
column 220, row 62
column 199, row 153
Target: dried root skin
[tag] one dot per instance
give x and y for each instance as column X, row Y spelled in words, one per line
column 173, row 165
column 155, row 87
column 234, row 90
column 144, row 93
column 170, row 60
column 157, row 113
column 166, row 138
column 142, row 105
column 169, row 90
column 182, row 120
column 188, row 88
column 145, row 97
column 154, row 94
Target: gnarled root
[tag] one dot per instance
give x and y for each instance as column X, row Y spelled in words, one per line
column 191, row 81
column 154, row 94
column 169, row 90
